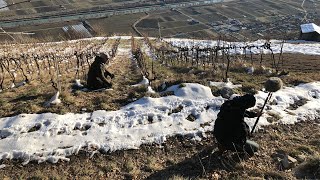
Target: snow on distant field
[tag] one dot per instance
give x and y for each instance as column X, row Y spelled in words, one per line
column 303, row 47
column 191, row 111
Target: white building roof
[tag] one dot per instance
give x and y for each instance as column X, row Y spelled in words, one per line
column 311, row 27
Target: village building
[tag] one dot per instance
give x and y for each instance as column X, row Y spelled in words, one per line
column 310, row 32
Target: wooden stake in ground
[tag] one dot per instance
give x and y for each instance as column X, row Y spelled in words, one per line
column 273, row 84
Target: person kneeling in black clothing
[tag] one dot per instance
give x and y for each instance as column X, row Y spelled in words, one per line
column 97, row 75
column 230, row 129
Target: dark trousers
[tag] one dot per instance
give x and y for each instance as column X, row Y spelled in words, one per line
column 99, row 84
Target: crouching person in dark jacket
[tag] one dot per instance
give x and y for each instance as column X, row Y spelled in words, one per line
column 230, row 129
column 97, row 75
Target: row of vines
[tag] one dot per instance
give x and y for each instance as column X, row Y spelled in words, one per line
column 218, row 56
column 49, row 62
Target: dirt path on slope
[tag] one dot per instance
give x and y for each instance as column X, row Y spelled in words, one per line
column 126, row 74
column 124, row 67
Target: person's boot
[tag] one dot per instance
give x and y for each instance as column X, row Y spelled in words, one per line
column 251, row 147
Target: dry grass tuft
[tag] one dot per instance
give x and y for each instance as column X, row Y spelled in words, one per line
column 153, row 164
column 309, row 169
column 129, row 166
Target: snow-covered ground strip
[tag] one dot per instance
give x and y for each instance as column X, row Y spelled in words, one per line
column 303, row 47
column 50, row 137
column 288, row 96
column 65, row 49
column 148, row 51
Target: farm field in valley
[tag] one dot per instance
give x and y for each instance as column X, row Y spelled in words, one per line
column 238, row 20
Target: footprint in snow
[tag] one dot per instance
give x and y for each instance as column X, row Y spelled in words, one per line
column 36, row 127
column 315, row 93
column 82, row 127
column 5, row 133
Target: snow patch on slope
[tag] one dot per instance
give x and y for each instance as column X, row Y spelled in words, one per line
column 52, row 137
column 144, row 81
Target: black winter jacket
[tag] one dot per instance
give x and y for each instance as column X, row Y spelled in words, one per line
column 230, row 129
column 97, row 75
